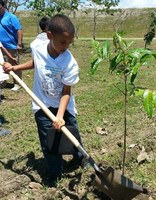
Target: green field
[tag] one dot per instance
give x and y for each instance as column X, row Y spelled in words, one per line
column 134, row 22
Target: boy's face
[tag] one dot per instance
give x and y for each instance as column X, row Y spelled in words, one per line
column 59, row 42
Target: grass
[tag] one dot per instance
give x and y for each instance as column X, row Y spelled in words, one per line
column 99, row 104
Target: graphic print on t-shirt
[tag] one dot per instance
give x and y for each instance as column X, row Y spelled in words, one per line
column 51, row 84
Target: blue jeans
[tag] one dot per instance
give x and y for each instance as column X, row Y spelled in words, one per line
column 54, row 162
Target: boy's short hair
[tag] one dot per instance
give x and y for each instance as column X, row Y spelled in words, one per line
column 60, row 23
column 2, row 3
column 43, row 23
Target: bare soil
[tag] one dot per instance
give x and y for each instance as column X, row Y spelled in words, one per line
column 25, row 178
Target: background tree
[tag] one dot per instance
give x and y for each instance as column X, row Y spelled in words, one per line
column 64, row 5
column 51, row 7
column 148, row 37
column 101, row 7
column 41, row 8
column 13, row 5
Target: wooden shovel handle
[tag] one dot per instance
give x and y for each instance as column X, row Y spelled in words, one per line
column 68, row 134
column 45, row 109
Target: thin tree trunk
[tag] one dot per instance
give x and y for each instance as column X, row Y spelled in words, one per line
column 125, row 125
column 94, row 29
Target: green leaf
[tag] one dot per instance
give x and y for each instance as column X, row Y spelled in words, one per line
column 139, row 92
column 95, row 64
column 118, row 41
column 132, row 79
column 115, row 61
column 131, row 61
column 124, row 43
column 135, row 53
column 154, row 55
column 100, row 52
column 115, row 41
column 145, row 58
column 148, row 102
column 154, row 99
column 106, row 49
column 95, row 44
column 129, row 44
column 135, row 69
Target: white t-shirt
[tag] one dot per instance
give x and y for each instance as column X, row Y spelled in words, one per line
column 3, row 76
column 50, row 75
column 41, row 38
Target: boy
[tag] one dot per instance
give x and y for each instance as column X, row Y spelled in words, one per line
column 55, row 71
column 5, row 51
column 11, row 36
column 3, row 76
column 41, row 37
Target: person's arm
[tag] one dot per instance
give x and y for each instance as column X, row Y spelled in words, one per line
column 20, row 38
column 7, row 67
column 6, row 52
column 62, row 107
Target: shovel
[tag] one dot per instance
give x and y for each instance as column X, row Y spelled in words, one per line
column 109, row 181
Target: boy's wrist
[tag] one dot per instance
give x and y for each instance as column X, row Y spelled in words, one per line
column 20, row 44
column 13, row 68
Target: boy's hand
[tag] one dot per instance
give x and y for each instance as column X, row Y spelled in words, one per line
column 7, row 67
column 59, row 123
column 15, row 60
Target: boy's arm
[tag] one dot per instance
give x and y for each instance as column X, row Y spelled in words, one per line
column 20, row 38
column 7, row 67
column 6, row 52
column 62, row 107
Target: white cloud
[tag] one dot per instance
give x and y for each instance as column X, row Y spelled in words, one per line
column 137, row 4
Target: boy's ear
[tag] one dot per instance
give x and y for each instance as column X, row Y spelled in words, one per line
column 49, row 35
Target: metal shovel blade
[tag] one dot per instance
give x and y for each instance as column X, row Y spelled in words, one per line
column 115, row 185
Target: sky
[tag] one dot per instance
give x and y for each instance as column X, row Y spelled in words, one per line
column 134, row 3
column 130, row 4
column 137, row 4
